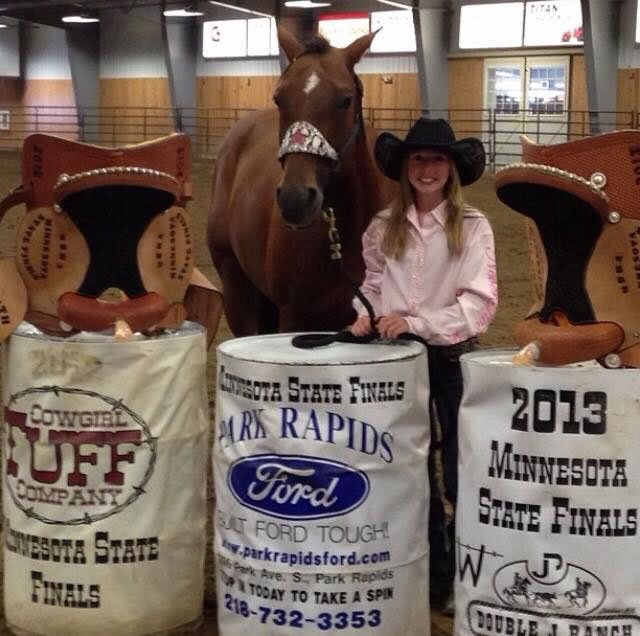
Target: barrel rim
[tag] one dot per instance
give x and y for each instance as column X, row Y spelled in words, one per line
column 31, row 332
column 223, row 349
column 501, row 357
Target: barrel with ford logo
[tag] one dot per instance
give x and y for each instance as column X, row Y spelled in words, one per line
column 547, row 515
column 320, row 470
column 104, row 478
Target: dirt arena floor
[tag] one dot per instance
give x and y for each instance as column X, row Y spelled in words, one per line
column 515, row 292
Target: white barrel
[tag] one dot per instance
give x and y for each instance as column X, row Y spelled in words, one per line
column 547, row 515
column 320, row 467
column 104, row 483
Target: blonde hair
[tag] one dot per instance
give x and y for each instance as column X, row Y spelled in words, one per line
column 396, row 232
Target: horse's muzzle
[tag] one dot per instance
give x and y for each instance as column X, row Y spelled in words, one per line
column 299, row 205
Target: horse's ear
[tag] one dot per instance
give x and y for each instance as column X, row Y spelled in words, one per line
column 288, row 43
column 356, row 49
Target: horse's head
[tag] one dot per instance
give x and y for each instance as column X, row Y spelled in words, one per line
column 319, row 100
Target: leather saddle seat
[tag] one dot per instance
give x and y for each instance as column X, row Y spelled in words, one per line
column 100, row 220
column 582, row 202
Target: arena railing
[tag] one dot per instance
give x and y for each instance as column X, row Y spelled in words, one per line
column 499, row 128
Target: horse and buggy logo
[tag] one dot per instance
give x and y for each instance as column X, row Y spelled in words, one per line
column 559, row 587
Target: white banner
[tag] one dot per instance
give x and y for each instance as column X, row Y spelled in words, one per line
column 553, row 23
column 342, row 29
column 491, row 25
column 262, row 37
column 547, row 516
column 104, row 479
column 397, row 33
column 320, row 467
column 224, row 38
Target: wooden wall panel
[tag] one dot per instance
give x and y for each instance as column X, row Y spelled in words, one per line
column 134, row 109
column 11, row 91
column 391, row 101
column 382, row 91
column 578, row 99
column 52, row 100
column 466, row 78
column 236, row 92
column 627, row 95
column 225, row 99
column 398, row 90
column 152, row 92
column 38, row 105
column 627, row 85
column 466, row 95
column 391, row 90
column 219, row 98
column 255, row 92
column 143, row 103
column 48, row 92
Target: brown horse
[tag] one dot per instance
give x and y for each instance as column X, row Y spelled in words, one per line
column 277, row 172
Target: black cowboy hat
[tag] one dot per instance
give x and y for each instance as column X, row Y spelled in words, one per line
column 468, row 154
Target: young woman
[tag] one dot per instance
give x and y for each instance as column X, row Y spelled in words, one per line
column 430, row 271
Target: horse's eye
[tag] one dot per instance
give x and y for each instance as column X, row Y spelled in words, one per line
column 345, row 102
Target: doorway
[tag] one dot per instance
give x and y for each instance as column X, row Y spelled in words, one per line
column 524, row 95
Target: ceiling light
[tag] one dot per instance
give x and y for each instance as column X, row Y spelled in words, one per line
column 395, row 4
column 80, row 19
column 231, row 6
column 181, row 13
column 3, row 26
column 306, row 4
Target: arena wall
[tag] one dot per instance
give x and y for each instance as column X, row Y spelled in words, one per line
column 133, row 75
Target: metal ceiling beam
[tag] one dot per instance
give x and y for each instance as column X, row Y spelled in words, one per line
column 9, row 5
column 432, row 23
column 601, row 33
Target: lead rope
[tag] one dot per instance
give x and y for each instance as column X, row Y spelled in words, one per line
column 335, row 254
column 312, row 340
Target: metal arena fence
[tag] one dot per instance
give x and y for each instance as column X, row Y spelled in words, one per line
column 499, row 129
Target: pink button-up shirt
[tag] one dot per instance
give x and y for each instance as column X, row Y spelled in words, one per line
column 443, row 299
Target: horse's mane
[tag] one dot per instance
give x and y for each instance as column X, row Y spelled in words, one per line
column 317, row 44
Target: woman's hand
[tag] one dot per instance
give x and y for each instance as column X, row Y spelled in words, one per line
column 392, row 326
column 361, row 327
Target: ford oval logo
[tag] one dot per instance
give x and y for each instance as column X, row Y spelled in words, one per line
column 297, row 487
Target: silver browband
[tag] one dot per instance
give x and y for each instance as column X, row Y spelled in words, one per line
column 302, row 136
